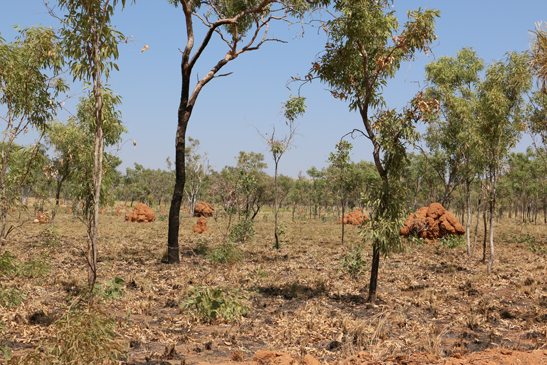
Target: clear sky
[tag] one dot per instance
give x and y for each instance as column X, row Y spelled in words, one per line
column 229, row 107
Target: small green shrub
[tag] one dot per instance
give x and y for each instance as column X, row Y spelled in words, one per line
column 111, row 289
column 162, row 217
column 49, row 237
column 11, row 297
column 8, row 263
column 202, row 247
column 227, row 253
column 452, row 241
column 414, row 240
column 81, row 337
column 34, row 267
column 242, row 231
column 211, row 305
column 353, row 263
column 527, row 238
column 259, row 273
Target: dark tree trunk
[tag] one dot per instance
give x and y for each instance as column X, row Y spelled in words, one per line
column 374, row 274
column 180, row 179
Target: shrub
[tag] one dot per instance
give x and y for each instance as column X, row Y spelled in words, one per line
column 81, row 337
column 452, row 241
column 8, row 265
column 34, row 267
column 211, row 305
column 111, row 289
column 242, row 231
column 202, row 246
column 49, row 237
column 227, row 253
column 11, row 297
column 353, row 263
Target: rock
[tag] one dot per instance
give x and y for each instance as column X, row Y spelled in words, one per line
column 203, row 209
column 201, row 226
column 354, row 218
column 431, row 223
column 141, row 214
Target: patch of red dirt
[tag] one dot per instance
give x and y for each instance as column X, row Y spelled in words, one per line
column 431, row 223
column 203, row 209
column 355, row 218
column 201, row 226
column 141, row 214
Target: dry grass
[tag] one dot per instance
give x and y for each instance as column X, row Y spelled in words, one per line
column 431, row 298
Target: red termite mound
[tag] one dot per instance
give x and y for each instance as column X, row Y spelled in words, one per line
column 355, row 218
column 141, row 214
column 432, row 222
column 201, row 226
column 203, row 209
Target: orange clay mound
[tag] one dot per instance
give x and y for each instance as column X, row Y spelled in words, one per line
column 141, row 213
column 203, row 209
column 118, row 213
column 201, row 226
column 432, row 222
column 356, row 218
column 488, row 357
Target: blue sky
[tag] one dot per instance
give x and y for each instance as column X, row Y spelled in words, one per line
column 229, row 108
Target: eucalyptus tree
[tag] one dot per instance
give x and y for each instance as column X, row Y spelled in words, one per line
column 91, row 44
column 341, row 161
column 453, row 81
column 29, row 85
column 500, row 120
column 243, row 27
column 364, row 50
column 292, row 109
column 538, row 54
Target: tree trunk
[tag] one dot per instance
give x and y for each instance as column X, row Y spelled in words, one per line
column 343, row 206
column 492, row 212
column 178, row 193
column 275, row 208
column 374, row 273
column 485, row 235
column 468, row 224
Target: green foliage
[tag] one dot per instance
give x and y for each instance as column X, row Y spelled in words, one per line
column 227, row 253
column 34, row 267
column 259, row 273
column 452, row 241
column 527, row 238
column 111, row 289
column 243, row 231
column 413, row 239
column 202, row 247
column 8, row 263
column 212, row 305
column 353, row 263
column 49, row 237
column 80, row 337
column 294, row 107
column 11, row 297
column 281, row 233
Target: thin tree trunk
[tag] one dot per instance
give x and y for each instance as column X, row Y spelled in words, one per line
column 492, row 213
column 275, row 209
column 468, row 224
column 485, row 235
